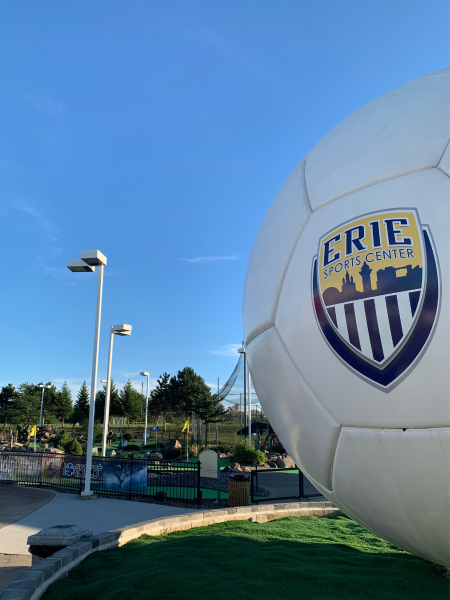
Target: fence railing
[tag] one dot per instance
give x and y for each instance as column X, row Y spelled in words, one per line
column 133, row 478
column 282, row 484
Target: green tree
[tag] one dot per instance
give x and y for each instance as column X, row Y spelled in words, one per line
column 160, row 401
column 27, row 404
column 115, row 403
column 63, row 407
column 130, row 401
column 81, row 407
column 188, row 393
column 7, row 399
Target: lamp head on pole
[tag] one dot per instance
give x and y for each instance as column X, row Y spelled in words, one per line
column 47, row 387
column 121, row 329
column 93, row 257
column 76, row 265
column 145, row 374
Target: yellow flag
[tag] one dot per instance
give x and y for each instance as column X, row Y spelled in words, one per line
column 185, row 426
column 32, row 432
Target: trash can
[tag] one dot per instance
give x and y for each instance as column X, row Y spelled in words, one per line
column 238, row 489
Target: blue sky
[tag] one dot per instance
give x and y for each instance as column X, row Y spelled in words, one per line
column 159, row 132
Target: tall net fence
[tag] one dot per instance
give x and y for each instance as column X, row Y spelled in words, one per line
column 232, row 392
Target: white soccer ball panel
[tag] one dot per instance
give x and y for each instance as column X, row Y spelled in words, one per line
column 397, row 483
column 306, row 429
column 421, row 399
column 444, row 165
column 271, row 252
column 404, row 130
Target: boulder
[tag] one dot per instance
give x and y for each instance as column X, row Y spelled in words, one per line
column 272, row 464
column 285, row 462
column 53, row 451
column 110, row 453
column 182, row 457
column 155, row 455
column 227, row 469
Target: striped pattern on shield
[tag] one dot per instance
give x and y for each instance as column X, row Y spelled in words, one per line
column 376, row 326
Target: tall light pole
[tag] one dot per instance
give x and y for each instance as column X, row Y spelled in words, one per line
column 145, row 374
column 249, row 407
column 242, row 351
column 89, row 259
column 44, row 387
column 115, row 330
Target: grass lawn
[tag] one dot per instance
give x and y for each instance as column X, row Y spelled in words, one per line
column 295, row 558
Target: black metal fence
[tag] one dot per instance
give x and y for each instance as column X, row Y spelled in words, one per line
column 110, row 476
column 281, row 484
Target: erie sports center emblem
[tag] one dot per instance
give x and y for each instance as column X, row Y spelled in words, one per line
column 376, row 293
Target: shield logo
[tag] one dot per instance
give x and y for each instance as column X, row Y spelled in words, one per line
column 376, row 293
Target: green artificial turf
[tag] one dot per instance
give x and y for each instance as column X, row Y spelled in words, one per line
column 304, row 558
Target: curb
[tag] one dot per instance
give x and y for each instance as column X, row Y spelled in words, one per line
column 32, row 584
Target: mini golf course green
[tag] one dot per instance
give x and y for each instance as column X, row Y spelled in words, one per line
column 303, row 558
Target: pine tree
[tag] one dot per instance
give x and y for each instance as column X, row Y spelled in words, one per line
column 81, row 408
column 62, row 406
column 7, row 399
column 160, row 397
column 115, row 403
column 130, row 400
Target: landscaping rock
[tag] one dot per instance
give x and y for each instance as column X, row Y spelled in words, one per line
column 285, row 462
column 53, row 451
column 182, row 457
column 111, row 453
column 272, row 464
column 155, row 456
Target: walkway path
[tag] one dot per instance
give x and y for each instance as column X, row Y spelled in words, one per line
column 99, row 515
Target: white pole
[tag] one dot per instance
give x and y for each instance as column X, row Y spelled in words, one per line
column 90, row 441
column 146, row 412
column 249, row 407
column 108, row 394
column 217, row 424
column 42, row 405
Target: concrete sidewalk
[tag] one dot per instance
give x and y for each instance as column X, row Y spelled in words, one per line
column 99, row 515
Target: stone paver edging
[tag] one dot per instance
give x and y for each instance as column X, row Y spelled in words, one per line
column 32, row 584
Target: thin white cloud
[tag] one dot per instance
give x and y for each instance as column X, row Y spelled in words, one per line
column 210, row 259
column 227, row 350
column 46, row 104
column 42, row 221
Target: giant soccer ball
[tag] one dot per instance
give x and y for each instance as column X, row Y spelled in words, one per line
column 346, row 316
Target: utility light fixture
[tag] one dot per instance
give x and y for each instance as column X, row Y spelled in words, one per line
column 93, row 257
column 44, row 387
column 121, row 330
column 89, row 259
column 146, row 374
column 76, row 265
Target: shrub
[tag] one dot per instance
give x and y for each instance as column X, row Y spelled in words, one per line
column 61, row 440
column 131, row 447
column 176, row 452
column 246, row 453
column 98, row 431
column 193, row 450
column 130, row 455
column 278, row 449
column 127, row 436
column 73, row 446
